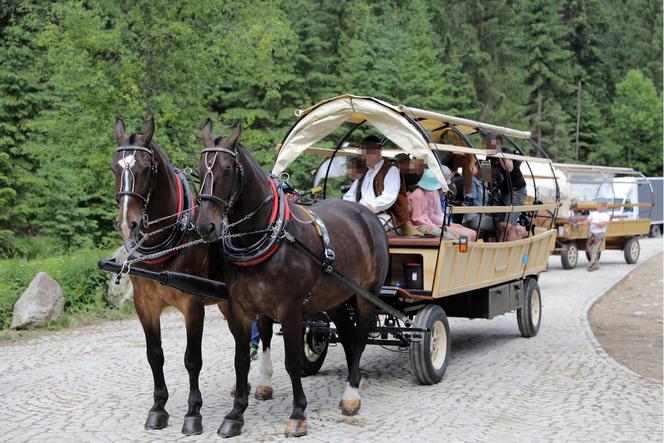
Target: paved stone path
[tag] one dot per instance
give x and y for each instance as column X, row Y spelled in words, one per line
column 94, row 383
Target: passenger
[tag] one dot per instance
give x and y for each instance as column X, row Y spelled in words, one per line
column 338, row 186
column 479, row 195
column 598, row 221
column 510, row 175
column 381, row 189
column 427, row 212
column 411, row 170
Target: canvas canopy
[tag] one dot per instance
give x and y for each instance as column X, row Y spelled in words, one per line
column 325, row 117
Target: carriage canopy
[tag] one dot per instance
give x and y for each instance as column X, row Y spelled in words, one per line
column 325, row 117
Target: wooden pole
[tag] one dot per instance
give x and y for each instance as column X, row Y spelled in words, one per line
column 578, row 117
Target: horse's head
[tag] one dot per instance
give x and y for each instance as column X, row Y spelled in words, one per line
column 135, row 169
column 221, row 180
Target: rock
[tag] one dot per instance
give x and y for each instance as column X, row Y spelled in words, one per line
column 117, row 295
column 43, row 301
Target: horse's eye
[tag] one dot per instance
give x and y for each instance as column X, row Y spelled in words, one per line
column 227, row 171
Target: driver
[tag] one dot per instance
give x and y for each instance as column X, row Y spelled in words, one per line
column 381, row 188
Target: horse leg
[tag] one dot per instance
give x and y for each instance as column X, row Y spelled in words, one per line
column 264, row 389
column 194, row 317
column 148, row 313
column 292, row 330
column 364, row 314
column 345, row 331
column 240, row 326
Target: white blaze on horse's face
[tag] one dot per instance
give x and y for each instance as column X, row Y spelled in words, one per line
column 126, row 184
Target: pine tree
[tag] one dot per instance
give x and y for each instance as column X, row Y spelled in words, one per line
column 547, row 62
column 21, row 98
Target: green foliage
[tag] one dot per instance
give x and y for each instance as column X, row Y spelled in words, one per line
column 81, row 281
column 70, row 68
column 635, row 126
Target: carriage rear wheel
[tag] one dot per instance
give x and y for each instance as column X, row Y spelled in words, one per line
column 429, row 356
column 529, row 315
column 632, row 250
column 569, row 255
column 314, row 350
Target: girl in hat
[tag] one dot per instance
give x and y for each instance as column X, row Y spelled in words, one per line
column 426, row 211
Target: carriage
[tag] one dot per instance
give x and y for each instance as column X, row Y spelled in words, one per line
column 431, row 279
column 580, row 187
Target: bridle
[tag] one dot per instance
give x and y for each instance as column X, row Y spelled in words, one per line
column 238, row 175
column 127, row 179
column 270, row 236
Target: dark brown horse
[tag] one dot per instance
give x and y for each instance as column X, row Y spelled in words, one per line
column 149, row 188
column 239, row 202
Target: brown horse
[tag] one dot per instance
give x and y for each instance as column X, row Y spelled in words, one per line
column 243, row 208
column 149, row 188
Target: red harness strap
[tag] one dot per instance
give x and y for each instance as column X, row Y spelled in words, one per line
column 275, row 209
column 165, row 258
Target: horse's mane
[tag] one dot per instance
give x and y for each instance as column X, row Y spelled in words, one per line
column 155, row 147
column 251, row 161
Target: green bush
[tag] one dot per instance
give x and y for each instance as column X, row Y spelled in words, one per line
column 82, row 283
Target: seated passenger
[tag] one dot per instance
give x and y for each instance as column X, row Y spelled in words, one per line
column 478, row 196
column 381, row 188
column 427, row 213
column 411, row 170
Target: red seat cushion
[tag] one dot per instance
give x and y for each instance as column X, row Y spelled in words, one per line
column 414, row 241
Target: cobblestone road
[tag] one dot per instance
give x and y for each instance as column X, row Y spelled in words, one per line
column 94, row 384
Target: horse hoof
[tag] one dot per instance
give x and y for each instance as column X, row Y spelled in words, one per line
column 192, row 425
column 230, row 428
column 296, row 428
column 350, row 407
column 263, row 392
column 157, row 420
column 248, row 390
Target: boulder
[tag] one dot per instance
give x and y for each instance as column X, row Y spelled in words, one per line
column 117, row 295
column 42, row 302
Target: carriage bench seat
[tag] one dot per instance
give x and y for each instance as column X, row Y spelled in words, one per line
column 414, row 241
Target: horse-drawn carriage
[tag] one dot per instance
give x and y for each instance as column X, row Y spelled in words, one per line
column 477, row 279
column 263, row 253
column 580, row 188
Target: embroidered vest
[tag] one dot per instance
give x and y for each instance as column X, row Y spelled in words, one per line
column 399, row 209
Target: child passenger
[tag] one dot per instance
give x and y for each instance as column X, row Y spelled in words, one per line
column 426, row 210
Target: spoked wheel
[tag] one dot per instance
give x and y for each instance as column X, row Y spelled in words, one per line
column 314, row 350
column 429, row 356
column 529, row 315
column 632, row 250
column 569, row 255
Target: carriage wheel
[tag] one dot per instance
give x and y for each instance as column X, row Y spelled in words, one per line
column 569, row 255
column 632, row 250
column 529, row 315
column 314, row 351
column 429, row 356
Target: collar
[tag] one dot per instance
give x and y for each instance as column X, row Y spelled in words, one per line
column 377, row 166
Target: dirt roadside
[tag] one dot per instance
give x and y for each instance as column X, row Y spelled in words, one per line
column 628, row 323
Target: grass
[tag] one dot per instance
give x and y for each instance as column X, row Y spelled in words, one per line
column 83, row 285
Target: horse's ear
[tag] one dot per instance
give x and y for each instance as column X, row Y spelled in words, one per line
column 148, row 132
column 208, row 139
column 235, row 136
column 120, row 131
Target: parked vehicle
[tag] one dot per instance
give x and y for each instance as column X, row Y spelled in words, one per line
column 580, row 187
